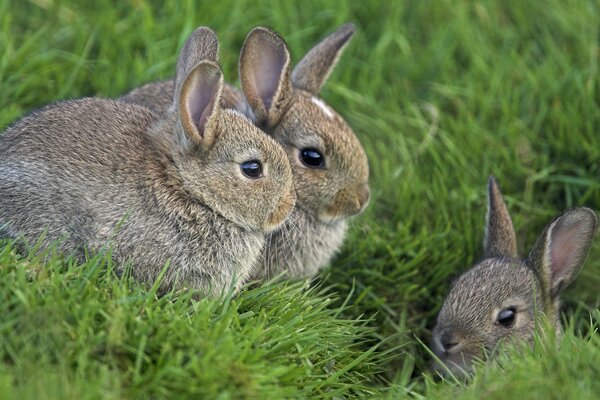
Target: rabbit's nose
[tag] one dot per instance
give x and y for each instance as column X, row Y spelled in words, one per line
column 449, row 341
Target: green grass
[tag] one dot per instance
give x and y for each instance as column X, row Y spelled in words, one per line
column 440, row 93
column 80, row 332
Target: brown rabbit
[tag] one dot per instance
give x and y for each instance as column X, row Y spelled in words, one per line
column 197, row 188
column 330, row 167
column 499, row 298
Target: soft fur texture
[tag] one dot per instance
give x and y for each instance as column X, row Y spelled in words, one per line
column 158, row 190
column 285, row 105
column 468, row 326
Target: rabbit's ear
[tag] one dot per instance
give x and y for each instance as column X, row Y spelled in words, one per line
column 312, row 71
column 265, row 75
column 561, row 250
column 198, row 103
column 500, row 239
column 201, row 45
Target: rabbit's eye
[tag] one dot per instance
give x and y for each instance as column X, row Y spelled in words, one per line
column 252, row 169
column 506, row 317
column 312, row 158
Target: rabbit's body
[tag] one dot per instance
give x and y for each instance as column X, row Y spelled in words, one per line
column 156, row 96
column 499, row 299
column 303, row 256
column 288, row 109
column 136, row 202
column 157, row 189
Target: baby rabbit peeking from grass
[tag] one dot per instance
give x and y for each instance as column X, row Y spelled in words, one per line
column 501, row 298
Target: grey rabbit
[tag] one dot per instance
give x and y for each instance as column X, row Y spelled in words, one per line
column 500, row 298
column 330, row 167
column 196, row 188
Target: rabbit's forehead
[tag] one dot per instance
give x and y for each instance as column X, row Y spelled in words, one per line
column 329, row 113
column 490, row 285
column 240, row 138
column 311, row 123
column 310, row 116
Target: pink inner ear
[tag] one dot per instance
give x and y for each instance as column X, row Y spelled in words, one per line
column 267, row 73
column 201, row 100
column 201, row 120
column 566, row 248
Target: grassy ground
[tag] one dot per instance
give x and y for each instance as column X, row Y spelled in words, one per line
column 441, row 94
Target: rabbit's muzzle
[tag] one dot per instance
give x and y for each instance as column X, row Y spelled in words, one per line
column 455, row 351
column 283, row 210
column 348, row 202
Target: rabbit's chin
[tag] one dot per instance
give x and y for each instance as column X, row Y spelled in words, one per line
column 327, row 218
column 460, row 365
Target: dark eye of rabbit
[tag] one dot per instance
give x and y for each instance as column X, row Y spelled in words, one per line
column 312, row 158
column 252, row 169
column 506, row 317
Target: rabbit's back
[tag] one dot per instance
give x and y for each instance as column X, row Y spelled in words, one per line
column 71, row 137
column 64, row 165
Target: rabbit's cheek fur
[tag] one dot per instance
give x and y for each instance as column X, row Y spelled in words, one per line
column 286, row 205
column 241, row 200
column 483, row 344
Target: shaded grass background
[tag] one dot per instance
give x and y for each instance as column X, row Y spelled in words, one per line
column 440, row 93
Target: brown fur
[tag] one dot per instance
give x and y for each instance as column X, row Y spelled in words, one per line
column 157, row 189
column 297, row 118
column 156, row 96
column 467, row 324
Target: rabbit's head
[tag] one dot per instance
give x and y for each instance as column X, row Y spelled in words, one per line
column 499, row 298
column 223, row 160
column 330, row 167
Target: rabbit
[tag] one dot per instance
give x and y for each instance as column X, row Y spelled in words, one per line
column 197, row 188
column 330, row 167
column 499, row 298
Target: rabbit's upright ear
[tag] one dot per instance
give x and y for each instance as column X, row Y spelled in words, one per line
column 202, row 44
column 500, row 239
column 312, row 71
column 198, row 104
column 198, row 86
column 561, row 250
column 265, row 75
